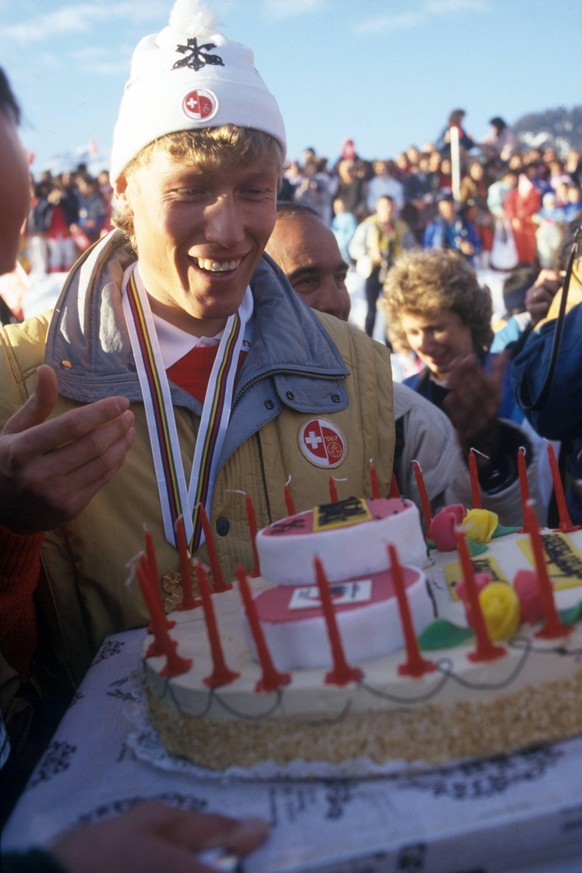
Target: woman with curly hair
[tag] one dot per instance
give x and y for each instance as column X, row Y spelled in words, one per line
column 436, row 308
column 431, row 283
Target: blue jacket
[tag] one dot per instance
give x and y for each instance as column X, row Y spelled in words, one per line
column 560, row 417
column 510, row 417
column 440, row 234
column 509, row 410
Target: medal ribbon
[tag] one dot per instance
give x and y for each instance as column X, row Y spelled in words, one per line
column 175, row 499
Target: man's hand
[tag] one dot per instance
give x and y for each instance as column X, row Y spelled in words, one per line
column 154, row 838
column 539, row 297
column 50, row 470
column 473, row 407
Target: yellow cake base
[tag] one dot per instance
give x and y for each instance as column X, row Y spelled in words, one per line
column 430, row 733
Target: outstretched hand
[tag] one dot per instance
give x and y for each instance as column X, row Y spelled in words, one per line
column 473, row 405
column 51, row 468
column 154, row 837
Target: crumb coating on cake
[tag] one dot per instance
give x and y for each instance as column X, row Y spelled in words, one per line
column 429, row 733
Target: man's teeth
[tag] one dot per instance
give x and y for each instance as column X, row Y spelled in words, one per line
column 217, row 266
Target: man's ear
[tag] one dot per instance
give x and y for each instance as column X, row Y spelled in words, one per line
column 121, row 190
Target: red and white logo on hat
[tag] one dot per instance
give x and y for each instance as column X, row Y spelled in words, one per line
column 322, row 443
column 200, row 105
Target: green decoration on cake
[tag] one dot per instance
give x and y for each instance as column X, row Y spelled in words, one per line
column 443, row 634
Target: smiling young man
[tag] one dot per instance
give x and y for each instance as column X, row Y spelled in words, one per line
column 236, row 388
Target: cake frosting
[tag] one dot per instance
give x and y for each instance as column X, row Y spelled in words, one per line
column 366, row 612
column 353, row 534
column 432, row 701
column 351, row 537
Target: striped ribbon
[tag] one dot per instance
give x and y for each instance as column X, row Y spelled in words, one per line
column 215, row 417
column 175, row 499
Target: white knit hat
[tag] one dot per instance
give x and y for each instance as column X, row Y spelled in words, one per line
column 189, row 77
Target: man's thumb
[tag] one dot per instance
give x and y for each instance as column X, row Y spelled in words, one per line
column 39, row 405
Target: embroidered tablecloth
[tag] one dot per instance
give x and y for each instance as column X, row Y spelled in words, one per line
column 506, row 814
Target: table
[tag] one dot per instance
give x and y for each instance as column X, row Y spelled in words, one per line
column 506, row 814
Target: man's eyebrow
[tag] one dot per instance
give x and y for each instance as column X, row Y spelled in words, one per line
column 303, row 271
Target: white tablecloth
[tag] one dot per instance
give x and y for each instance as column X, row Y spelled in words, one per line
column 511, row 813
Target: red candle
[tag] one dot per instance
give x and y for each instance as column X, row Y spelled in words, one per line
column 565, row 524
column 394, row 489
column 523, row 483
column 415, row 664
column 221, row 674
column 188, row 601
column 219, row 583
column 271, row 678
column 289, row 501
column 485, row 650
column 252, row 519
column 424, row 501
column 332, row 490
column 341, row 672
column 374, row 482
column 164, row 644
column 475, row 490
column 553, row 627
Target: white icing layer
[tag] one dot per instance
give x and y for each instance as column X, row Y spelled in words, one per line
column 353, row 547
column 367, row 630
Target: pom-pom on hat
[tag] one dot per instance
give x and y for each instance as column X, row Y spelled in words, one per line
column 187, row 77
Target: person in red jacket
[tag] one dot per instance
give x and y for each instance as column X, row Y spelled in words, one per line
column 520, row 206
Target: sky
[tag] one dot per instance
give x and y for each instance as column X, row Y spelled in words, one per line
column 385, row 73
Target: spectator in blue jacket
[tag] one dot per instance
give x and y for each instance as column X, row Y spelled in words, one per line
column 452, row 229
column 555, row 411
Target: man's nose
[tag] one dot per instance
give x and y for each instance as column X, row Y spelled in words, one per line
column 223, row 222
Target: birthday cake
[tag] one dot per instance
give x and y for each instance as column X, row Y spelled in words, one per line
column 383, row 661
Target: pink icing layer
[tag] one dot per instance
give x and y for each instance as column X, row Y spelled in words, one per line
column 272, row 605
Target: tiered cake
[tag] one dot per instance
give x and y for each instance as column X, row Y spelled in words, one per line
column 347, row 676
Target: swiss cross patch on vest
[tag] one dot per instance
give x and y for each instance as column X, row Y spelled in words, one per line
column 322, row 443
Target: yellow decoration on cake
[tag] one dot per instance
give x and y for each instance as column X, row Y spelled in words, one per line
column 343, row 513
column 500, row 606
column 480, row 524
column 563, row 559
column 453, row 573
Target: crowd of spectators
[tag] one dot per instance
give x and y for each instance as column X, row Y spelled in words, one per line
column 528, row 194
column 68, row 212
column 504, row 206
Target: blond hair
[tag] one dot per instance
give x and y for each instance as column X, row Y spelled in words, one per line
column 209, row 148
